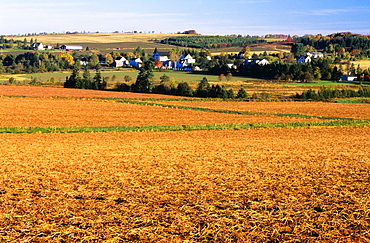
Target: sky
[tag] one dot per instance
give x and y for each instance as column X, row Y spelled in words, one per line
column 208, row 17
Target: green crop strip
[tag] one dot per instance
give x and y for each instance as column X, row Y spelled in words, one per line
column 233, row 112
column 31, row 130
column 355, row 101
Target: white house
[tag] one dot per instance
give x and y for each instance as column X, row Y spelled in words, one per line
column 184, row 62
column 119, row 62
column 315, row 54
column 38, row 46
column 83, row 61
column 261, row 62
column 71, row 47
column 189, row 59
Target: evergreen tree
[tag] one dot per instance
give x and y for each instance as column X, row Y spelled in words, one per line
column 203, row 88
column 230, row 94
column 184, row 89
column 242, row 94
column 297, row 50
column 144, row 79
column 98, row 83
column 75, row 78
column 87, row 81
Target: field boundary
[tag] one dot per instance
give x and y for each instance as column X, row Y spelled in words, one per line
column 250, row 113
column 334, row 123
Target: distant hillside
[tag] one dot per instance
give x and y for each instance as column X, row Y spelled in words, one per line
column 336, row 41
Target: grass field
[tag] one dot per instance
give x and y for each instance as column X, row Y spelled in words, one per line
column 252, row 85
column 97, row 166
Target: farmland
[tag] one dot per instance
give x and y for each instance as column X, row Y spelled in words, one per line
column 204, row 177
column 251, row 85
column 106, row 42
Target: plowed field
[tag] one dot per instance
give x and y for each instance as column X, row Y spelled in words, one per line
column 62, row 92
column 31, row 112
column 357, row 111
column 238, row 185
column 274, row 185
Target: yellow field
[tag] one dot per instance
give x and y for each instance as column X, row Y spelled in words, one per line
column 247, row 185
column 357, row 111
column 364, row 64
column 96, row 37
column 49, row 112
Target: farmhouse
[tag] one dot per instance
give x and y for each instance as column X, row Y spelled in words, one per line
column 189, row 59
column 136, row 62
column 119, row 62
column 315, row 54
column 308, row 57
column 348, row 78
column 71, row 47
column 83, row 61
column 261, row 62
column 304, row 59
column 158, row 58
column 38, row 46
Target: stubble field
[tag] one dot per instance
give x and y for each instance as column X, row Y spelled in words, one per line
column 304, row 184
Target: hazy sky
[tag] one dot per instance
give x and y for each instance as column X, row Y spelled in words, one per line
column 253, row 17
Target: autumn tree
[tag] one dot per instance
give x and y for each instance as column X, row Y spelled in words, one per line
column 66, row 57
column 108, row 58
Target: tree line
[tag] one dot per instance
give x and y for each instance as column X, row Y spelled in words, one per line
column 358, row 45
column 327, row 93
column 86, row 81
column 144, row 84
column 206, row 42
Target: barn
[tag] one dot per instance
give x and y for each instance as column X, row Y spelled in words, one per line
column 71, row 47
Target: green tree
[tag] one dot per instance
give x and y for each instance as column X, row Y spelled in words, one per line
column 317, row 73
column 203, row 88
column 2, row 69
column 98, row 83
column 230, row 94
column 74, row 78
column 242, row 94
column 87, row 81
column 94, row 61
column 184, row 89
column 144, row 81
column 297, row 50
column 164, row 78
